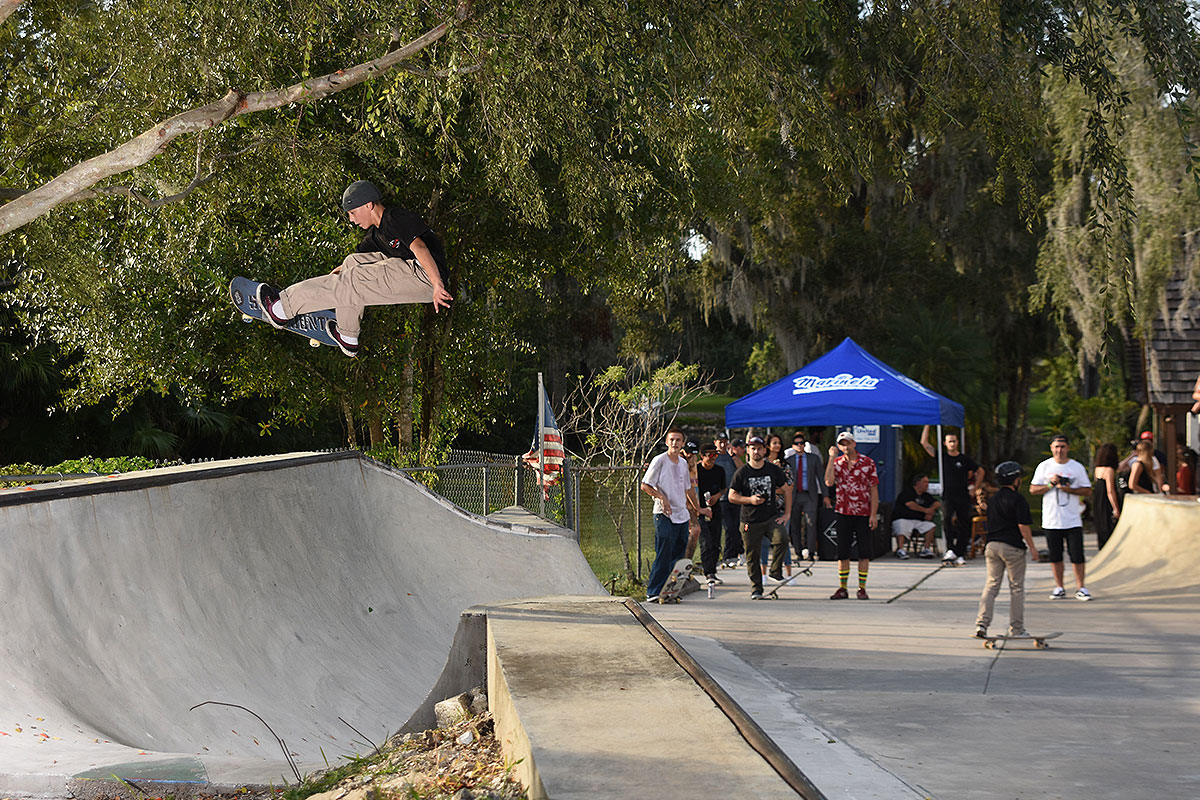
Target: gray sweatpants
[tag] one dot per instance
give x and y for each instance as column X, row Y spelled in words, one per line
column 366, row 279
column 1003, row 558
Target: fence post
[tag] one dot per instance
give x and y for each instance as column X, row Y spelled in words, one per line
column 518, row 484
column 568, row 485
column 485, row 489
column 637, row 524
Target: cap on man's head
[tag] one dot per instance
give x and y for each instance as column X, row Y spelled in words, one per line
column 737, row 443
column 756, row 440
column 692, row 447
column 358, row 194
column 1062, row 437
column 721, row 437
column 844, row 435
column 707, row 448
column 1147, row 435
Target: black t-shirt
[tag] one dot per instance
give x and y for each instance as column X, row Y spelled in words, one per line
column 763, row 482
column 1006, row 510
column 909, row 495
column 709, row 481
column 959, row 470
column 396, row 231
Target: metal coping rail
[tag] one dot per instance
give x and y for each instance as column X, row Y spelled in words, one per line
column 750, row 730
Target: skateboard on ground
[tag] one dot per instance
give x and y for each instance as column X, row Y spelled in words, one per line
column 311, row 326
column 675, row 581
column 1038, row 641
column 776, row 585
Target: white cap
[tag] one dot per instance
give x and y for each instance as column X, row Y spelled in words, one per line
column 846, row 435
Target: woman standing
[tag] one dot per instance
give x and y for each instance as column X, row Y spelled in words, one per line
column 1185, row 474
column 779, row 535
column 1105, row 500
column 1146, row 476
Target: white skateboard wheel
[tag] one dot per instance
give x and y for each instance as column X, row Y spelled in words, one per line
column 247, row 318
column 313, row 343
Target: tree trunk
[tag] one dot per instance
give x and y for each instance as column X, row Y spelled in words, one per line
column 351, row 428
column 404, row 424
column 375, row 427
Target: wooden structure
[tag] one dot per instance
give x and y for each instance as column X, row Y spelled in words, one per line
column 1170, row 363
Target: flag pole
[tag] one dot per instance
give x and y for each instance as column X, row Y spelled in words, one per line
column 541, row 438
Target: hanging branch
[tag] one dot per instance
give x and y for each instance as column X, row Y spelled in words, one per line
column 150, row 144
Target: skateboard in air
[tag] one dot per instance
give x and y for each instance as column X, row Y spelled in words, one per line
column 676, row 581
column 777, row 585
column 1038, row 641
column 311, row 326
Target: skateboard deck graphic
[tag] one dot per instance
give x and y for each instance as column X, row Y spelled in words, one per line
column 1038, row 641
column 244, row 293
column 676, row 581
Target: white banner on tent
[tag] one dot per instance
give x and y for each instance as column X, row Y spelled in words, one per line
column 866, row 434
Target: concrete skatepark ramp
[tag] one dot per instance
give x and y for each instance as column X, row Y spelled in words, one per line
column 1155, row 548
column 309, row 589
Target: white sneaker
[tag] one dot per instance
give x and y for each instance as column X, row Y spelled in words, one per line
column 949, row 555
column 741, row 562
column 960, row 561
column 901, row 553
column 1083, row 594
column 1021, row 635
column 1058, row 594
column 804, row 555
column 927, row 553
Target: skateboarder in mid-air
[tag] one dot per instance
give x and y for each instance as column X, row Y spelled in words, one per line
column 1009, row 534
column 399, row 261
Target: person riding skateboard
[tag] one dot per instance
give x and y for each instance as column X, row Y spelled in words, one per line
column 1009, row 535
column 400, row 260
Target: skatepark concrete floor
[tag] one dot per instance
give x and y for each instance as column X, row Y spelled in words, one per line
column 1110, row 710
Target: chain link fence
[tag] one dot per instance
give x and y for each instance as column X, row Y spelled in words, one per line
column 603, row 505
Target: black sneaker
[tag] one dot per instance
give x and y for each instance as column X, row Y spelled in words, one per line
column 346, row 348
column 268, row 296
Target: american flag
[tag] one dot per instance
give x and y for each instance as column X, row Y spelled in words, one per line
column 546, row 454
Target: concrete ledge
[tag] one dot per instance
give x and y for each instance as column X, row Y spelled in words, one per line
column 588, row 704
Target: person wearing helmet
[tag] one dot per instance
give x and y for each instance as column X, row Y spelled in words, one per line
column 400, row 260
column 1009, row 535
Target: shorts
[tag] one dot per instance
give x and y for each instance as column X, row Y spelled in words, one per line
column 851, row 528
column 907, row 527
column 1074, row 540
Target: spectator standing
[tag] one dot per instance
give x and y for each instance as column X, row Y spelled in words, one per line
column 857, row 482
column 914, row 512
column 808, row 492
column 1106, row 504
column 753, row 488
column 668, row 481
column 1145, row 474
column 1062, row 483
column 1185, row 474
column 727, row 512
column 734, row 541
column 779, row 534
column 959, row 472
column 1010, row 533
column 712, row 485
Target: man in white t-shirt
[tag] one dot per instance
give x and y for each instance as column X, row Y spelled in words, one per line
column 1063, row 483
column 669, row 481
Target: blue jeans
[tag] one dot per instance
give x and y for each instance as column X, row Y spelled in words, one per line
column 670, row 543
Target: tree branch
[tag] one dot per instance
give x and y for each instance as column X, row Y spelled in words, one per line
column 145, row 147
column 7, row 7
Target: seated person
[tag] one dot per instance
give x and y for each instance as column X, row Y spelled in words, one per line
column 913, row 514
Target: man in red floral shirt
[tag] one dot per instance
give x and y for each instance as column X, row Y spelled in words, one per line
column 857, row 508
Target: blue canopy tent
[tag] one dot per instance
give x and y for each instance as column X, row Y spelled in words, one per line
column 846, row 386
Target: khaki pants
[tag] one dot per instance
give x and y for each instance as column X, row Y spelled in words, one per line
column 1003, row 557
column 366, row 279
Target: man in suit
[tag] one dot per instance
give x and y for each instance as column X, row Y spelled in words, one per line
column 809, row 492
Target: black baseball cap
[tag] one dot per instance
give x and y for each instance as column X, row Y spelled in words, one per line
column 692, row 447
column 358, row 194
column 756, row 440
column 707, row 447
column 737, row 443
